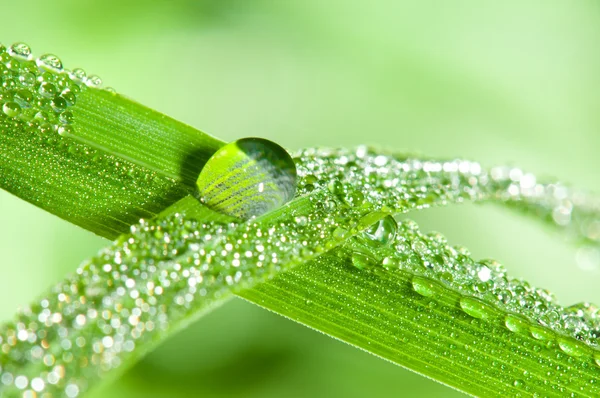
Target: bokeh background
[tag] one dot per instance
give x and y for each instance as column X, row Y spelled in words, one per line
column 512, row 82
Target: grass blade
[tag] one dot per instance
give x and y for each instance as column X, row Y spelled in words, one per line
column 88, row 155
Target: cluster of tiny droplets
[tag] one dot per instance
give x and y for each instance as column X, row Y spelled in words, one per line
column 39, row 102
column 401, row 184
column 120, row 301
column 37, row 94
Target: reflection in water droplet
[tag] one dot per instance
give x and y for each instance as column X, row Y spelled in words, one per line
column 51, row 62
column 77, row 74
column 476, row 308
column 93, row 81
column 247, row 178
column 363, row 260
column 424, row 286
column 382, row 232
column 541, row 333
column 571, row 347
column 11, row 109
column 20, row 50
column 515, row 324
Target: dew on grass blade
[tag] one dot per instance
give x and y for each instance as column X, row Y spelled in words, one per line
column 50, row 62
column 382, row 232
column 247, row 178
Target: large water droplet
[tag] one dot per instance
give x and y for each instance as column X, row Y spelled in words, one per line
column 571, row 347
column 93, row 81
column 382, row 232
column 78, row 74
column 20, row 50
column 515, row 324
column 476, row 308
column 11, row 109
column 425, row 286
column 51, row 62
column 541, row 333
column 247, row 178
column 362, row 260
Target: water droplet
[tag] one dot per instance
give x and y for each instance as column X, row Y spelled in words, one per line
column 519, row 383
column 11, row 109
column 77, row 74
column 27, row 79
column 389, row 263
column 247, row 178
column 93, row 81
column 66, row 117
column 425, row 286
column 572, row 347
column 65, row 130
column 336, row 187
column 50, row 62
column 47, row 90
column 515, row 324
column 68, row 96
column 477, row 308
column 58, row 104
column 20, row 50
column 541, row 333
column 382, row 232
column 362, row 260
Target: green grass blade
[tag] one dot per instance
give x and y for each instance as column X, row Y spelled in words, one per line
column 90, row 156
column 420, row 323
column 149, row 283
column 408, row 297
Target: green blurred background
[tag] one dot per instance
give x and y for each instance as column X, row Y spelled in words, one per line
column 501, row 82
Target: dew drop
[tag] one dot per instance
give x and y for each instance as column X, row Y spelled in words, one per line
column 571, row 347
column 77, row 74
column 93, row 81
column 540, row 333
column 27, row 79
column 20, row 50
column 66, row 117
column 476, row 308
column 425, row 286
column 382, row 232
column 11, row 109
column 515, row 324
column 336, row 187
column 247, row 178
column 362, row 260
column 58, row 104
column 50, row 62
column 47, row 90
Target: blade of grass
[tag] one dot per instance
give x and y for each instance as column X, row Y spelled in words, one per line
column 90, row 156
